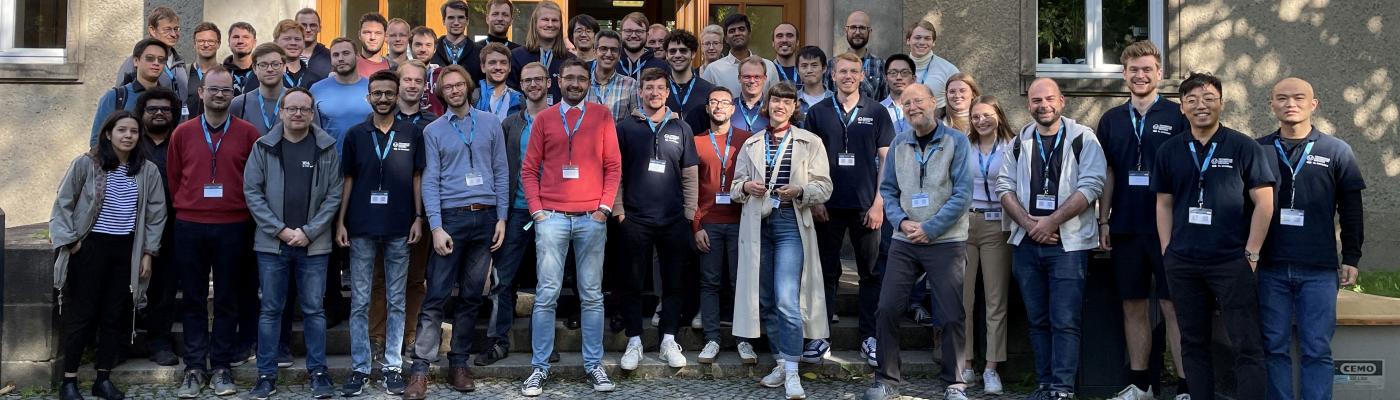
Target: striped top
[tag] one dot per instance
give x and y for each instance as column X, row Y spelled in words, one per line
column 783, row 163
column 118, row 213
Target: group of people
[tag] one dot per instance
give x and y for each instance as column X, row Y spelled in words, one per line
column 612, row 148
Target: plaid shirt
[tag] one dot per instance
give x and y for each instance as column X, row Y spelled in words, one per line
column 618, row 93
column 874, row 84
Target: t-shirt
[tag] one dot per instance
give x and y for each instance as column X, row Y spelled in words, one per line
column 652, row 197
column 365, row 67
column 403, row 157
column 341, row 106
column 861, row 135
column 1135, row 207
column 1327, row 171
column 689, row 99
column 717, row 178
column 420, row 119
column 298, row 167
column 1236, row 165
column 1054, row 147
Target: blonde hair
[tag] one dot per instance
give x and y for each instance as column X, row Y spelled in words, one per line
column 1141, row 48
column 1004, row 132
column 532, row 39
column 946, row 114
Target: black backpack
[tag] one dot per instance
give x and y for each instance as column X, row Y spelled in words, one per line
column 119, row 102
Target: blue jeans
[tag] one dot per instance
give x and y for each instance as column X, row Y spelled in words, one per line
column 465, row 268
column 780, row 283
column 1292, row 293
column 1052, row 285
column 507, row 262
column 721, row 261
column 362, row 253
column 553, row 236
column 274, row 270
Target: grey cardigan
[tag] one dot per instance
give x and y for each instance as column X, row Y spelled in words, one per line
column 263, row 183
column 1083, row 172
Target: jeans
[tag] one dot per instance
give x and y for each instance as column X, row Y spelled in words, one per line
column 780, row 283
column 722, row 259
column 866, row 244
column 274, row 270
column 506, row 261
column 1305, row 295
column 465, row 268
column 1052, row 286
column 553, row 236
column 222, row 249
column 98, row 300
column 944, row 264
column 672, row 247
column 362, row 253
column 1196, row 290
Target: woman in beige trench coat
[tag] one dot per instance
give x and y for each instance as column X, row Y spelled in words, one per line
column 779, row 267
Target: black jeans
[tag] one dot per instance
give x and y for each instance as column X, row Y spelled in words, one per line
column 97, row 301
column 720, row 263
column 866, row 243
column 671, row 243
column 222, row 249
column 161, row 306
column 1234, row 286
column 944, row 263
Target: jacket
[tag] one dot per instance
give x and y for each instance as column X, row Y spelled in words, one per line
column 1082, row 169
column 946, row 180
column 262, row 186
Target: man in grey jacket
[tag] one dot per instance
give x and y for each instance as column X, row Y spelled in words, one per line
column 293, row 186
column 163, row 24
column 1048, row 188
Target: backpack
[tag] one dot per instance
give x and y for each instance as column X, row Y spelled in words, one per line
column 119, row 101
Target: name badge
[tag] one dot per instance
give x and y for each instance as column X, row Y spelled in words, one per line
column 1291, row 217
column 722, row 198
column 213, row 190
column 184, row 112
column 991, row 216
column 846, row 159
column 773, row 201
column 379, row 197
column 657, row 166
column 1045, row 201
column 1198, row 216
column 475, row 179
column 570, row 172
column 1138, row 178
column 920, row 200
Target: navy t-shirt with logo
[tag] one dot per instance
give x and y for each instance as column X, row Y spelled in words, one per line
column 870, row 130
column 406, row 157
column 1237, row 165
column 1328, row 170
column 1134, row 207
column 654, row 198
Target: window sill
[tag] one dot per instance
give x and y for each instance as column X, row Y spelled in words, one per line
column 65, row 73
column 1094, row 84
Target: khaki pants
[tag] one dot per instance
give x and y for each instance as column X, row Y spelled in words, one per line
column 987, row 251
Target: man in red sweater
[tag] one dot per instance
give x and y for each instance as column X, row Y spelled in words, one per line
column 571, row 173
column 213, row 230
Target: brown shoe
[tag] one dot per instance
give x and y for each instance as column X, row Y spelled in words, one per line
column 417, row 387
column 462, row 379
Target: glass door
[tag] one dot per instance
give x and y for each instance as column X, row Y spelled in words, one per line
column 763, row 16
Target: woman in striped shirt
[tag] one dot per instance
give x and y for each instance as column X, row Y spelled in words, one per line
column 106, row 224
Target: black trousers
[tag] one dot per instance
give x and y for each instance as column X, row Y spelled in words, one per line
column 671, row 243
column 222, row 249
column 97, row 301
column 161, row 306
column 1197, row 289
column 944, row 263
column 866, row 243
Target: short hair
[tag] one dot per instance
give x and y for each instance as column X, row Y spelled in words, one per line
column 636, row 17
column 374, row 16
column 811, row 52
column 847, row 56
column 1197, row 80
column 216, row 70
column 535, row 64
column 685, row 38
column 142, row 45
column 207, row 26
column 607, row 33
column 398, row 21
column 297, row 89
column 783, row 90
column 532, row 40
column 922, row 24
column 494, row 48
column 1141, row 48
column 460, row 5
column 585, row 20
column 157, row 93
column 898, row 57
column 415, row 64
column 572, row 61
column 422, row 31
column 160, row 13
column 712, row 29
column 735, row 18
column 494, row 3
column 308, row 10
column 453, row 69
column 385, row 75
column 244, row 26
column 353, row 44
column 651, row 74
column 719, row 88
column 286, row 25
column 269, row 48
column 657, row 26
column 755, row 60
column 795, row 29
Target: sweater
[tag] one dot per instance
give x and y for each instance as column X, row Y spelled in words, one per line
column 187, row 167
column 707, row 211
column 595, row 154
column 943, row 177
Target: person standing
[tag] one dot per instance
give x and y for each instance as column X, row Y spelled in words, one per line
column 727, row 71
column 711, row 45
column 958, row 94
column 288, row 34
column 582, row 31
column 1048, row 188
column 424, row 44
column 689, row 93
column 858, row 30
column 156, row 109
column 785, row 46
column 371, row 45
column 396, row 39
column 500, row 14
column 106, row 226
column 455, row 48
column 987, row 248
column 636, row 56
column 341, row 101
column 1299, row 272
column 242, row 39
column 261, row 106
column 163, row 25
column 899, row 75
column 609, row 87
column 413, row 86
column 207, row 38
column 811, row 65
column 751, row 116
column 656, row 39
column 496, row 97
column 929, row 69
column 544, row 44
column 317, row 56
column 150, row 54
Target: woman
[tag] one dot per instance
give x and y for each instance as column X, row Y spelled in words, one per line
column 987, row 249
column 544, row 44
column 106, row 224
column 780, row 174
column 958, row 94
column 711, row 45
column 929, row 69
column 582, row 29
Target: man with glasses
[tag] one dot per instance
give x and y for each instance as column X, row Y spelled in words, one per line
column 582, row 29
column 609, row 87
column 156, row 108
column 725, row 71
column 634, row 41
column 164, row 25
column 688, row 91
column 260, row 107
column 206, row 47
column 151, row 55
column 748, row 115
column 500, row 14
column 858, row 31
column 242, row 38
column 899, row 74
column 317, row 56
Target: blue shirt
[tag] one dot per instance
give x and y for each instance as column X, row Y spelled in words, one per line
column 1237, row 165
column 341, row 106
column 503, row 106
column 749, row 119
column 458, row 152
column 1328, row 171
column 1135, row 207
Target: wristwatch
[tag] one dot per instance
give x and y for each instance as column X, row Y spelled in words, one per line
column 1251, row 256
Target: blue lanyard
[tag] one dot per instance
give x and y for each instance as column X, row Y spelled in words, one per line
column 782, row 72
column 583, row 111
column 1139, row 125
column 656, row 130
column 485, row 103
column 1045, row 157
column 723, row 158
column 453, row 55
column 636, row 66
column 262, row 109
column 471, row 157
column 771, row 156
column 984, row 163
column 1201, row 175
column 287, row 77
column 846, row 125
column 599, row 90
column 899, row 122
column 546, row 56
column 923, row 160
column 744, row 111
column 170, row 73
column 682, row 100
column 927, row 67
column 416, row 117
column 1295, row 169
column 198, row 72
column 384, row 153
column 213, row 146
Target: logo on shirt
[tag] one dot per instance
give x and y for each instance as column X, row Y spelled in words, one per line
column 1219, row 162
column 403, row 146
column 672, row 138
column 1162, row 129
column 1324, row 162
column 308, row 164
column 865, row 121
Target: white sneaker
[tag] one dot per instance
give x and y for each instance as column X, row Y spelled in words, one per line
column 867, row 351
column 991, row 382
column 775, row 378
column 746, row 354
column 697, row 323
column 671, row 354
column 631, row 357
column 793, row 384
column 1183, row 396
column 1133, row 393
column 969, row 377
column 710, row 353
column 952, row 393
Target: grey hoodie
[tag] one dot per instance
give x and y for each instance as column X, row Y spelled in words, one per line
column 263, row 183
column 1083, row 173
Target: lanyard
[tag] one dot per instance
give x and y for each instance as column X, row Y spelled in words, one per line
column 170, row 73
column 744, row 111
column 546, row 56
column 381, row 155
column 656, row 130
column 846, row 125
column 927, row 67
column 1045, row 157
column 984, row 163
column 772, row 156
column 600, row 90
column 723, row 158
column 287, row 77
column 1139, row 124
column 633, row 69
column 583, row 110
column 213, row 146
column 1294, row 169
column 1201, row 175
column 485, row 104
column 416, row 116
column 923, row 160
column 782, row 72
column 453, row 55
column 675, row 91
column 900, row 124
column 471, row 157
column 199, row 72
column 262, row 109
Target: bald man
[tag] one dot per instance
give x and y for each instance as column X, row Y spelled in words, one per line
column 1319, row 183
column 858, row 31
column 1047, row 187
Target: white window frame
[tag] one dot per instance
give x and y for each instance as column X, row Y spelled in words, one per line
column 9, row 54
column 1096, row 64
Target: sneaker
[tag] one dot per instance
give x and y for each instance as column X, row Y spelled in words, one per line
column 243, row 358
column 969, row 376
column 321, row 385
column 867, row 351
column 954, row 393
column 284, row 359
column 534, row 385
column 191, row 385
column 793, row 385
column 1058, row 395
column 1183, row 396
column 393, row 382
column 697, row 323
column 266, row 387
column 222, row 383
column 164, row 358
column 671, row 354
column 746, row 354
column 815, row 349
column 495, row 352
column 709, row 353
column 599, row 379
column 881, row 391
column 921, row 316
column 775, row 378
column 355, row 385
column 1133, row 393
column 632, row 356
column 991, row 382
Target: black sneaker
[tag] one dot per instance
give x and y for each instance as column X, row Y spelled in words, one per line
column 355, row 385
column 107, row 390
column 265, row 388
column 493, row 353
column 393, row 382
column 534, row 385
column 599, row 379
column 321, row 385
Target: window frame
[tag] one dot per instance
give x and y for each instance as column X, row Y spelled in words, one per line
column 1102, row 77
column 29, row 65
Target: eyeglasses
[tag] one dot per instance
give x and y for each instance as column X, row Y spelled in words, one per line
column 607, row 50
column 633, row 32
column 169, row 30
column 721, row 103
column 751, row 77
column 153, row 59
column 275, row 65
column 297, row 110
column 857, row 28
column 982, row 117
column 455, row 86
column 382, row 94
column 158, row 110
column 215, row 90
column 678, row 50
column 534, row 81
column 899, row 73
column 207, row 42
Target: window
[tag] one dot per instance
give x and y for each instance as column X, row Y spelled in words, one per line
column 763, row 17
column 33, row 31
column 1083, row 38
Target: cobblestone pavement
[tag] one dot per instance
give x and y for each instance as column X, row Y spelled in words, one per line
column 627, row 389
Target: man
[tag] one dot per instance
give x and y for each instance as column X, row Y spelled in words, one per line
column 424, row 45
column 261, row 107
column 242, row 38
column 317, row 56
column 857, row 132
column 656, row 38
column 716, row 222
column 1206, row 183
column 455, row 48
column 858, row 31
column 213, row 231
column 659, row 189
column 544, row 43
column 725, row 71
column 288, row 34
column 785, row 46
column 1047, row 186
column 496, row 97
column 412, row 88
column 396, row 36
column 1299, row 270
column 164, row 25
column 519, row 241
column 689, row 93
column 899, row 75
column 206, row 46
column 570, row 173
column 811, row 64
column 634, row 40
column 930, row 206
column 582, row 29
column 755, row 77
column 156, row 108
column 500, row 14
column 341, row 101
column 465, row 192
column 293, row 184
column 610, row 88
column 372, row 26
column 150, row 56
column 1131, row 134
column 931, row 70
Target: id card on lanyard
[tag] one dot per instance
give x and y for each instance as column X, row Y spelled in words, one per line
column 845, row 158
column 1292, row 216
column 473, row 178
column 1045, row 200
column 379, row 195
column 722, row 195
column 1139, row 176
column 1200, row 215
column 570, row 169
column 213, row 189
column 774, row 160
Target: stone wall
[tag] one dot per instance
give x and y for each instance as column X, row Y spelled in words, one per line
column 29, row 336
